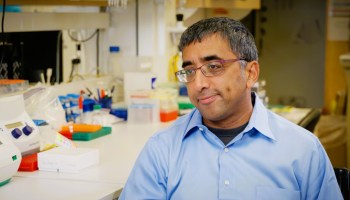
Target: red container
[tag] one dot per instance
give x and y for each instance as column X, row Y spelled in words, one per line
column 168, row 116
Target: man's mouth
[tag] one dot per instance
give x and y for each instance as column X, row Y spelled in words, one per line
column 207, row 99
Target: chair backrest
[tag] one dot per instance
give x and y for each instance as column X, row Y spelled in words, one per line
column 309, row 122
column 343, row 178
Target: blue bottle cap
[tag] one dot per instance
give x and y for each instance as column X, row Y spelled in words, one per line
column 114, row 49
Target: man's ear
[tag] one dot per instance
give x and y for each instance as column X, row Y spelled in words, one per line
column 252, row 71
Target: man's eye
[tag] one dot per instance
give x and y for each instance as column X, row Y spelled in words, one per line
column 214, row 66
column 190, row 71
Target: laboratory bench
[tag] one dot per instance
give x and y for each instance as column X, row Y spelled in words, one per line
column 58, row 189
column 118, row 152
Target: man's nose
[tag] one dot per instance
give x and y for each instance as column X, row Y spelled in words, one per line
column 200, row 80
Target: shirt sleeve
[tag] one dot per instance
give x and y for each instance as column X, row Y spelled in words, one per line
column 147, row 179
column 321, row 183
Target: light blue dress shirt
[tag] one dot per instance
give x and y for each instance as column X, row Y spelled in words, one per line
column 272, row 158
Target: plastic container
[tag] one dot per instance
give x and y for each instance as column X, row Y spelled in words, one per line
column 66, row 107
column 185, row 105
column 88, row 105
column 169, row 109
column 74, row 106
column 29, row 163
column 114, row 59
column 142, row 108
column 96, row 114
column 120, row 112
column 106, row 102
column 166, row 116
column 8, row 86
column 50, row 138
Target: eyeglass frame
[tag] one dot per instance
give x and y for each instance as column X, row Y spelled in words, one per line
column 222, row 62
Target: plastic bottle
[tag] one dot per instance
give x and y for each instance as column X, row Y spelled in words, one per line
column 114, row 59
column 97, row 116
column 118, row 72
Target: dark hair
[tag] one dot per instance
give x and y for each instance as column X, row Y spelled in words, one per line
column 241, row 40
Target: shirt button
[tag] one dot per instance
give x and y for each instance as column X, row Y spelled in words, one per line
column 201, row 129
column 226, row 150
column 227, row 182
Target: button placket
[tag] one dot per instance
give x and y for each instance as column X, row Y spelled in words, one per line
column 226, row 182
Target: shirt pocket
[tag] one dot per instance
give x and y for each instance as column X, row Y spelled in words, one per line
column 274, row 193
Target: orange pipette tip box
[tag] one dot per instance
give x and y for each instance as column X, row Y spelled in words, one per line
column 29, row 163
column 80, row 128
column 86, row 136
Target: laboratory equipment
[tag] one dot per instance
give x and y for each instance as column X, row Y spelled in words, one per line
column 16, row 124
column 85, row 132
column 8, row 86
column 23, row 55
column 81, row 128
column 61, row 159
column 114, row 59
column 10, row 158
column 142, row 108
column 145, row 81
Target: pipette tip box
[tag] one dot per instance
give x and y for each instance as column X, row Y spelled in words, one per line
column 29, row 163
column 87, row 136
column 61, row 159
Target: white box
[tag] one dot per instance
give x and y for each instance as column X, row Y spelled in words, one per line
column 62, row 159
column 134, row 81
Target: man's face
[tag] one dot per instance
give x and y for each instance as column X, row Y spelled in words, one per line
column 220, row 98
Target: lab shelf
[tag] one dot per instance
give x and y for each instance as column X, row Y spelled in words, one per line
column 20, row 22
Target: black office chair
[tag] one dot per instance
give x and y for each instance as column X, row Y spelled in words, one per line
column 343, row 178
column 309, row 122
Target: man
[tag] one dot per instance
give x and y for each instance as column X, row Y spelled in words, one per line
column 230, row 146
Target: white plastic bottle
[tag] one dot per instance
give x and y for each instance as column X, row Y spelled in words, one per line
column 96, row 114
column 114, row 59
column 117, row 69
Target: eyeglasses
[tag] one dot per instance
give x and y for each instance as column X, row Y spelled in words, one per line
column 212, row 68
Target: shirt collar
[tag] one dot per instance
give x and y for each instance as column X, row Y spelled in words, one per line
column 259, row 120
column 195, row 120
